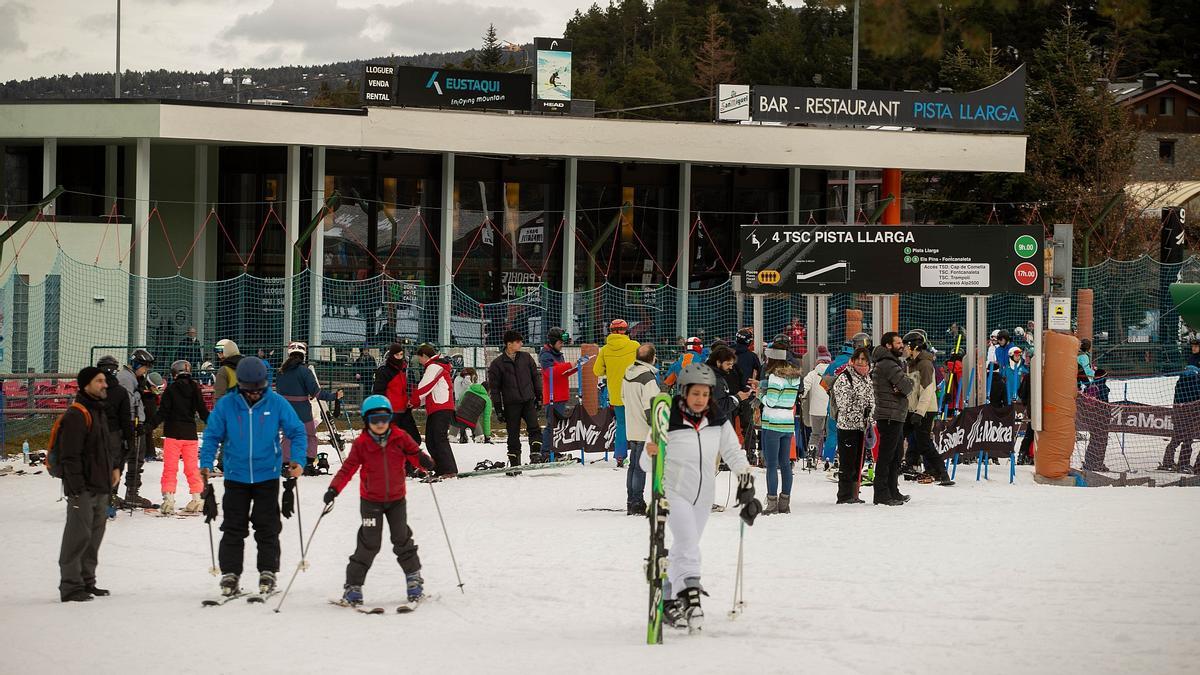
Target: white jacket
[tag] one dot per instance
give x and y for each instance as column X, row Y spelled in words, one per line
column 690, row 468
column 638, row 389
column 441, row 391
column 816, row 399
column 461, row 384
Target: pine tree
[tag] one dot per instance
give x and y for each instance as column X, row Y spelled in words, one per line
column 491, row 55
column 714, row 57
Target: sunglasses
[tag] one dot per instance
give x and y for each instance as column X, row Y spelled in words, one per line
column 252, row 392
column 379, row 418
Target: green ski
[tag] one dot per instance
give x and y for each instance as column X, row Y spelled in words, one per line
column 656, row 562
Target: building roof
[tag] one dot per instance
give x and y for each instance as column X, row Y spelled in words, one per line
column 1153, row 195
column 422, row 130
column 1132, row 92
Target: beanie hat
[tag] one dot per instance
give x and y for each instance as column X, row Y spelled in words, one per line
column 823, row 354
column 85, row 376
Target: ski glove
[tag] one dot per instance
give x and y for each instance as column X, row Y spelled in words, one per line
column 330, row 495
column 289, row 498
column 745, row 490
column 210, row 503
column 601, row 385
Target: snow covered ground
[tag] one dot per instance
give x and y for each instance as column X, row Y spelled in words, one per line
column 977, row 578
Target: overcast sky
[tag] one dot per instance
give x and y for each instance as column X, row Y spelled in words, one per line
column 47, row 37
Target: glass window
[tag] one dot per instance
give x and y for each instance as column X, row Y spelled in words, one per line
column 22, row 178
column 1166, row 151
column 81, row 171
column 252, row 208
column 1166, row 105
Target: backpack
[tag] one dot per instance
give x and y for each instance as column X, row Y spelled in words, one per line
column 833, row 405
column 231, row 378
column 53, row 467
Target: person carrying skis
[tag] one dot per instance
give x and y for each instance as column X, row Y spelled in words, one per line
column 297, row 383
column 618, row 353
column 181, row 403
column 697, row 434
column 435, row 392
column 382, row 452
column 891, row 410
column 693, row 352
column 391, row 380
column 852, row 409
column 247, row 426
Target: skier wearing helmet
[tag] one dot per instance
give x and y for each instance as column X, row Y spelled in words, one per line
column 617, row 354
column 697, row 435
column 298, row 384
column 130, row 377
column 181, row 404
column 226, row 378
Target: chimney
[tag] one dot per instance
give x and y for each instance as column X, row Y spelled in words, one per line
column 1149, row 81
column 1184, row 80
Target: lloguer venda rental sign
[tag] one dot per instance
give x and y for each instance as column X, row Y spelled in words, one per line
column 999, row 107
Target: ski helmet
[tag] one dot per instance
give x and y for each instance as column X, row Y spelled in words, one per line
column 618, row 326
column 108, row 363
column 374, row 404
column 297, row 347
column 1194, row 340
column 1003, row 335
column 557, row 335
column 915, row 339
column 180, row 367
column 744, row 336
column 227, row 348
column 251, row 374
column 860, row 340
column 719, row 343
column 696, row 373
column 141, row 358
column 156, row 382
column 693, row 344
column 995, row 334
column 1019, row 333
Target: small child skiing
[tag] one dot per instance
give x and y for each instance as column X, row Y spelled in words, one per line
column 382, row 451
column 697, row 433
column 474, row 411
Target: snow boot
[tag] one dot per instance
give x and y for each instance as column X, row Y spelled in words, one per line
column 416, row 586
column 689, row 604
column 168, row 505
column 772, row 505
column 514, row 459
column 352, row 595
column 637, row 508
column 135, row 501
column 323, row 463
column 266, row 582
column 785, row 503
column 672, row 615
column 196, row 505
column 310, row 467
column 229, row 585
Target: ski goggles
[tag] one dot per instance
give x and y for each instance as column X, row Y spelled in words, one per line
column 252, row 388
column 379, row 418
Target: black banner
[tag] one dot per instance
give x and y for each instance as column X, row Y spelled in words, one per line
column 379, row 84
column 582, row 431
column 1000, row 107
column 1181, row 420
column 986, row 428
column 462, row 89
column 957, row 259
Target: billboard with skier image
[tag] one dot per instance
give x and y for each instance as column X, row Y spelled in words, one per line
column 553, row 78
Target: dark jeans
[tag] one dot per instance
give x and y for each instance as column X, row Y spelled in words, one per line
column 1026, row 451
column 135, row 458
column 370, row 537
column 850, row 459
column 554, row 411
column 635, row 478
column 87, row 516
column 245, row 504
column 887, row 467
column 437, row 439
column 745, row 414
column 1185, row 451
column 404, row 420
column 516, row 412
column 919, row 432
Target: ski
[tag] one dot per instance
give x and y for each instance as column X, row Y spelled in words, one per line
column 656, row 561
column 521, row 468
column 358, row 608
column 260, row 598
column 408, row 607
column 222, row 600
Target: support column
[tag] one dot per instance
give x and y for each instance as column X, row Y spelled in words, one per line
column 823, row 320
column 891, row 188
column 200, row 252
column 970, row 351
column 1035, row 368
column 445, row 268
column 141, row 255
column 759, row 338
column 111, row 179
column 683, row 270
column 292, row 227
column 49, row 171
column 811, row 318
column 568, row 264
column 982, row 332
column 316, row 257
column 877, row 303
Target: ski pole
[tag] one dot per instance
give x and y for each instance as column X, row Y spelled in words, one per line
column 300, row 525
column 212, row 551
column 739, row 600
column 303, row 564
column 447, row 535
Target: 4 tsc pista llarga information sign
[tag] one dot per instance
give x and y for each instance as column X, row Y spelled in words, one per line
column 884, row 259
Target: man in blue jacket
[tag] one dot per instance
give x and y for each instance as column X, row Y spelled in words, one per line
column 248, row 426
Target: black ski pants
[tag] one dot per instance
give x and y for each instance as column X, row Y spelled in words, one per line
column 1025, row 453
column 887, row 466
column 919, row 432
column 406, row 423
column 516, row 412
column 135, row 458
column 370, row 537
column 850, row 459
column 437, row 439
column 245, row 504
column 745, row 415
column 87, row 516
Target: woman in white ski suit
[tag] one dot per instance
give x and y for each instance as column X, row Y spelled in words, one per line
column 694, row 440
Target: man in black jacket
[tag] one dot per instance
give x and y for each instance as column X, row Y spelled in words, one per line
column 118, row 414
column 891, row 410
column 516, row 388
column 89, row 474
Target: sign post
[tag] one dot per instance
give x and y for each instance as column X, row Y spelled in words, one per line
column 1060, row 314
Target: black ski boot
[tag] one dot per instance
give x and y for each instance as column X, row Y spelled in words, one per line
column 323, row 463
column 672, row 614
column 229, row 585
column 266, row 583
column 689, row 605
column 135, row 501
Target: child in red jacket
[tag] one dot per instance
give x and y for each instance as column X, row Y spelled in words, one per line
column 383, row 451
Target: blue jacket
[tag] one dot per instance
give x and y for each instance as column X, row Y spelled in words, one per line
column 747, row 364
column 298, row 385
column 693, row 357
column 250, row 437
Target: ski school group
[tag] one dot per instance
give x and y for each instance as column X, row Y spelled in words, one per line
column 730, row 410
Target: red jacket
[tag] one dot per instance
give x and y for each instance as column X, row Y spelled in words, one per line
column 383, row 469
column 391, row 380
column 562, row 382
column 435, row 392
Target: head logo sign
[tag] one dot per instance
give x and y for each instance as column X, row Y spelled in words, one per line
column 1026, row 274
column 768, row 277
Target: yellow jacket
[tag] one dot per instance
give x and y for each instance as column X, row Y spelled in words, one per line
column 617, row 354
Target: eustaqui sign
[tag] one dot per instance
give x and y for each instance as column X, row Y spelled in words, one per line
column 379, row 84
column 463, row 89
column 999, row 107
column 959, row 259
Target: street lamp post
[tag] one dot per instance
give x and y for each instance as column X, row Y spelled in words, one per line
column 237, row 81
